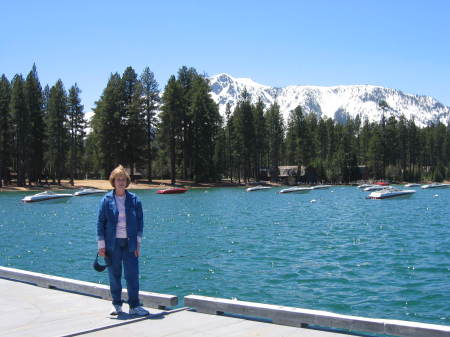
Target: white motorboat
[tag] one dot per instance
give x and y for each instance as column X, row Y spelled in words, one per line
column 363, row 186
column 47, row 195
column 319, row 187
column 258, row 188
column 412, row 185
column 88, row 191
column 390, row 193
column 296, row 189
column 435, row 185
column 377, row 188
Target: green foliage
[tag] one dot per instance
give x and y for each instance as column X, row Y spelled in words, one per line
column 57, row 132
column 107, row 124
column 5, row 131
column 150, row 97
column 21, row 129
column 76, row 128
column 171, row 121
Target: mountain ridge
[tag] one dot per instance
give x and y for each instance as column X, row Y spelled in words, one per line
column 332, row 101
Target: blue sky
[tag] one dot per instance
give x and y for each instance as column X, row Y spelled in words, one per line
column 398, row 44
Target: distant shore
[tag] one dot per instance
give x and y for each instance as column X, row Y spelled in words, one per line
column 139, row 185
column 105, row 185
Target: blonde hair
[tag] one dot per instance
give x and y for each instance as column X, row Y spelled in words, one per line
column 119, row 171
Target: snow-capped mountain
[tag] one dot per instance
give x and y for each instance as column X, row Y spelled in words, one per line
column 334, row 102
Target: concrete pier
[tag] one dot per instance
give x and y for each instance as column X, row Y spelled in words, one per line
column 32, row 305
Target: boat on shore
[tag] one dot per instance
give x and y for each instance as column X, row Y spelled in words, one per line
column 390, row 193
column 172, row 190
column 296, row 189
column 258, row 188
column 435, row 185
column 88, row 191
column 47, row 195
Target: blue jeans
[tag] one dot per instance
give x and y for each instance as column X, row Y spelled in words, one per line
column 120, row 255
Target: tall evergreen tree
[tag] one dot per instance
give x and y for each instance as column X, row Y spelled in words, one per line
column 260, row 135
column 229, row 126
column 57, row 131
column 134, row 127
column 245, row 135
column 21, row 128
column 206, row 122
column 275, row 136
column 107, row 125
column 35, row 106
column 171, row 120
column 77, row 125
column 186, row 78
column 5, row 131
column 150, row 96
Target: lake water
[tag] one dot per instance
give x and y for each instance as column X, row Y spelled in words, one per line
column 340, row 253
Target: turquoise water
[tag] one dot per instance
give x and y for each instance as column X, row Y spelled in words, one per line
column 342, row 253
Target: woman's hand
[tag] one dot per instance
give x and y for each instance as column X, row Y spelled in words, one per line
column 102, row 252
column 137, row 252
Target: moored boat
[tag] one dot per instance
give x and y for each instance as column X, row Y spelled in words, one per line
column 296, row 189
column 390, row 193
column 412, row 185
column 381, row 183
column 376, row 188
column 363, row 186
column 172, row 190
column 88, row 191
column 435, row 185
column 319, row 187
column 258, row 188
column 47, row 195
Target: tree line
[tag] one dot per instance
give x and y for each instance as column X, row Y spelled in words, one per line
column 180, row 134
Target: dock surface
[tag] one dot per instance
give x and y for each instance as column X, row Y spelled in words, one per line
column 29, row 310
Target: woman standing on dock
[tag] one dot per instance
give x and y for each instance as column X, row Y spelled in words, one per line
column 119, row 234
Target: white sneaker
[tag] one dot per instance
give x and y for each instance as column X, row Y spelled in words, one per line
column 117, row 309
column 139, row 311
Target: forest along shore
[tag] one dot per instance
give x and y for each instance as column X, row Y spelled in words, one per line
column 105, row 185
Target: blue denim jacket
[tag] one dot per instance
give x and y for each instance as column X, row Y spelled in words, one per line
column 108, row 217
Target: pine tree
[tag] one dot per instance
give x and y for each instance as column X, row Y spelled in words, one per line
column 34, row 101
column 171, row 121
column 77, row 125
column 186, row 78
column 150, row 93
column 21, row 129
column 5, row 131
column 229, row 127
column 134, row 126
column 107, row 125
column 57, row 131
column 244, row 132
column 260, row 136
column 205, row 123
column 275, row 137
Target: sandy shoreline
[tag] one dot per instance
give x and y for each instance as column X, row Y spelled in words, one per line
column 105, row 185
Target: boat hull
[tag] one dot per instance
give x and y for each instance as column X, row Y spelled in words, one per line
column 389, row 195
column 46, row 198
column 172, row 191
column 435, row 186
column 296, row 190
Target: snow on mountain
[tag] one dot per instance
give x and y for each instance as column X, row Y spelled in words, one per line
column 332, row 102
